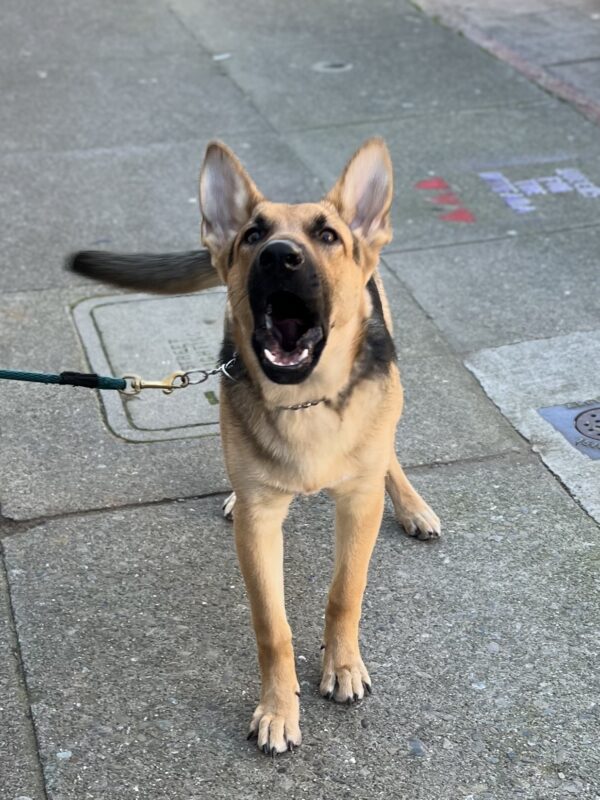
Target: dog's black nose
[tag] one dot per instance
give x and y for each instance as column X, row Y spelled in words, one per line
column 281, row 253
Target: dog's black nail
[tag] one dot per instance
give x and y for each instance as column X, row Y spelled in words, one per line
column 349, row 701
column 329, row 696
column 291, row 747
column 251, row 735
column 297, row 693
column 265, row 749
column 368, row 688
column 355, row 697
column 323, row 646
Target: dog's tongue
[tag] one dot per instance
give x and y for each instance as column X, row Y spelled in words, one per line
column 289, row 330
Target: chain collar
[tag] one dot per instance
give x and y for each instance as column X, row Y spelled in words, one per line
column 205, row 374
column 300, row 406
column 223, row 369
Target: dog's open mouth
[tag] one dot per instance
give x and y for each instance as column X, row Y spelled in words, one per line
column 288, row 337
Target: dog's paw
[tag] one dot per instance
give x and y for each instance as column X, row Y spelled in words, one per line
column 276, row 727
column 422, row 523
column 345, row 681
column 228, row 505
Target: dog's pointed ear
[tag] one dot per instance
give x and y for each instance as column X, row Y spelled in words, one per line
column 227, row 196
column 364, row 191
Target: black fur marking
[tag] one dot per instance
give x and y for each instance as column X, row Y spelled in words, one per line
column 378, row 342
column 356, row 250
column 263, row 225
column 230, row 255
column 242, row 396
column 377, row 350
column 317, row 225
column 228, row 351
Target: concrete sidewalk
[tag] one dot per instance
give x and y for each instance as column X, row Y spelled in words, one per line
column 127, row 662
column 554, row 42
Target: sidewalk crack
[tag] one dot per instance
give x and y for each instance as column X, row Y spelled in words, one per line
column 15, row 646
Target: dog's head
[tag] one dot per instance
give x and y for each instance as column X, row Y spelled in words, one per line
column 295, row 272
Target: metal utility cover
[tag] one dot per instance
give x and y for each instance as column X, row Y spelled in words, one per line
column 579, row 423
column 152, row 337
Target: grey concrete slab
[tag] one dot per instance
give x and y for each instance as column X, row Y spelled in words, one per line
column 20, row 770
column 36, row 35
column 381, row 77
column 527, row 379
column 57, row 453
column 551, row 36
column 226, row 25
column 135, row 632
column 584, row 75
column 491, row 293
column 533, row 36
column 120, row 101
column 415, row 335
column 446, row 417
column 127, row 198
column 454, row 150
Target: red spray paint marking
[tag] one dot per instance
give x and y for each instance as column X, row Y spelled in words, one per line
column 446, row 198
column 460, row 215
column 432, row 183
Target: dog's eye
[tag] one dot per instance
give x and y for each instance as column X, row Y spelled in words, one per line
column 252, row 236
column 328, row 236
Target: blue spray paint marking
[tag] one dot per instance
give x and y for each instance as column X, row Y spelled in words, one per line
column 516, row 194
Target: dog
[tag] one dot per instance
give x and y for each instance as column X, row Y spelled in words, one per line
column 311, row 400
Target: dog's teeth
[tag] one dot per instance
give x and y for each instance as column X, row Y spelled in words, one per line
column 268, row 322
column 286, row 361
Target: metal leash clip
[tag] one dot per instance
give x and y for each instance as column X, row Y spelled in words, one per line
column 176, row 380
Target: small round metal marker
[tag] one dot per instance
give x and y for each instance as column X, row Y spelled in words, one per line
column 332, row 66
column 588, row 423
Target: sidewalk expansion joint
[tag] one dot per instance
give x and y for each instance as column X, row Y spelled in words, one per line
column 406, row 115
column 12, row 527
column 507, row 236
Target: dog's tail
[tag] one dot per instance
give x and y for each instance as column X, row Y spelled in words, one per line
column 165, row 273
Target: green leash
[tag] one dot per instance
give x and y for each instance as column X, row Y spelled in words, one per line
column 128, row 385
column 89, row 380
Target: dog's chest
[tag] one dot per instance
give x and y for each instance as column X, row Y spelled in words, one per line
column 318, row 449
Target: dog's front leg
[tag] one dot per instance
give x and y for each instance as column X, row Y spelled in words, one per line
column 259, row 542
column 359, row 509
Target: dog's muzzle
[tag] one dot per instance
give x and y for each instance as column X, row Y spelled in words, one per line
column 290, row 311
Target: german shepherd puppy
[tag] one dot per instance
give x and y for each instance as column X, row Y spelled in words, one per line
column 313, row 400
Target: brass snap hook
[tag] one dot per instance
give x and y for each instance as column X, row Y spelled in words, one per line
column 176, row 380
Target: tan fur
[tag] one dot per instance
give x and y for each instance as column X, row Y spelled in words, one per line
column 344, row 447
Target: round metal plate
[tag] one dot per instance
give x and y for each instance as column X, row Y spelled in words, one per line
column 588, row 423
